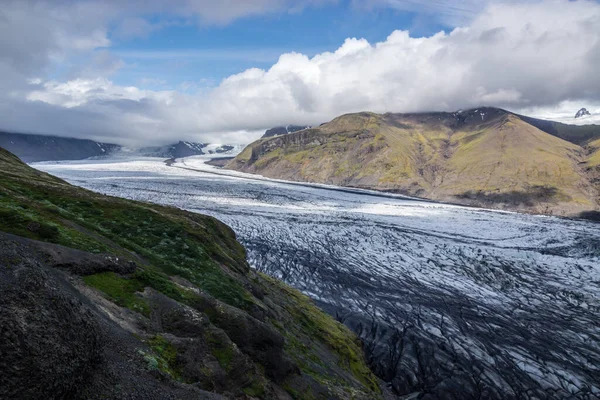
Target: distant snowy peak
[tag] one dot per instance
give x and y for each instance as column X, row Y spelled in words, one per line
column 223, row 149
column 283, row 130
column 175, row 150
column 192, row 146
column 582, row 113
column 219, row 148
column 186, row 149
column 180, row 149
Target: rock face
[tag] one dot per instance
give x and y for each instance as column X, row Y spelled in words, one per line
column 484, row 157
column 155, row 303
column 31, row 148
column 50, row 340
column 582, row 113
column 283, row 130
column 57, row 343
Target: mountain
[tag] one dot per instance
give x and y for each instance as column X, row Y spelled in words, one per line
column 110, row 298
column 176, row 150
column 483, row 157
column 577, row 134
column 34, row 148
column 31, row 148
column 283, row 130
column 223, row 149
column 582, row 113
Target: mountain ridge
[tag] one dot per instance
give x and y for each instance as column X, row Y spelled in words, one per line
column 36, row 148
column 485, row 156
column 32, row 148
column 283, row 130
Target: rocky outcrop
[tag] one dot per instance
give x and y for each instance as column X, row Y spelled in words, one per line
column 283, row 130
column 51, row 342
column 59, row 342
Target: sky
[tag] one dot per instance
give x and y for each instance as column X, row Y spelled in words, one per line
column 147, row 72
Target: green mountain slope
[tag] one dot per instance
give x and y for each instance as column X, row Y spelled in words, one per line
column 485, row 157
column 176, row 309
column 578, row 134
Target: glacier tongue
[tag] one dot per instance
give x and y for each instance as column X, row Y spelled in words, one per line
column 450, row 301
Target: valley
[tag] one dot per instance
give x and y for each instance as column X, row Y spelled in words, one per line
column 450, row 301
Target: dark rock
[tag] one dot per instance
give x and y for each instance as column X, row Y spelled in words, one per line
column 283, row 130
column 206, row 354
column 74, row 261
column 56, row 344
column 255, row 338
column 33, row 226
column 50, row 341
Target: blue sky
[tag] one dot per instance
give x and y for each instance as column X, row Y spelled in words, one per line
column 184, row 52
column 153, row 72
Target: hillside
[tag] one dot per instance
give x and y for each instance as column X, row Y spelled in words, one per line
column 484, row 157
column 110, row 298
column 577, row 134
column 31, row 148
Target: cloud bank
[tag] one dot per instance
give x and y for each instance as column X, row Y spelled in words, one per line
column 532, row 56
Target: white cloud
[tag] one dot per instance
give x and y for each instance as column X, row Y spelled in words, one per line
column 565, row 112
column 518, row 56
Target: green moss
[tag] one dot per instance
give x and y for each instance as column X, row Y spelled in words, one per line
column 175, row 242
column 120, row 290
column 318, row 325
column 166, row 356
column 221, row 350
column 594, row 157
column 298, row 156
column 269, row 157
column 256, row 389
column 297, row 394
column 246, row 154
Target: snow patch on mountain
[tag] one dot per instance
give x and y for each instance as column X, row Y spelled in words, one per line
column 582, row 113
column 566, row 113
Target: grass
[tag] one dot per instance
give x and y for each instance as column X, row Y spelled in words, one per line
column 121, row 291
column 315, row 323
column 174, row 242
column 164, row 356
column 594, row 158
column 223, row 352
column 256, row 389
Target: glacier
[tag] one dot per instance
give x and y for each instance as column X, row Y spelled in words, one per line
column 451, row 302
